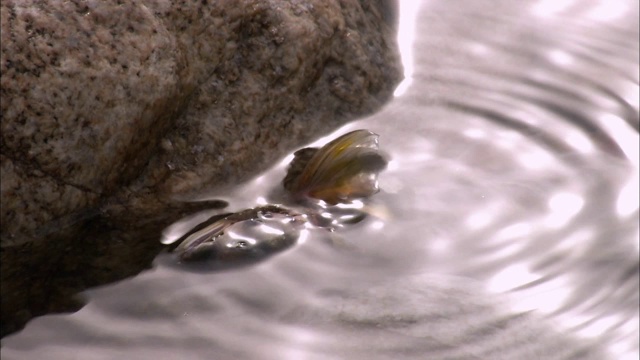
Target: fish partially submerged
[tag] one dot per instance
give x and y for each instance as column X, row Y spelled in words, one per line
column 339, row 172
column 250, row 234
column 344, row 169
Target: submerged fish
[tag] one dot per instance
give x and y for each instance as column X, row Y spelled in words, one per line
column 250, row 234
column 344, row 169
column 341, row 171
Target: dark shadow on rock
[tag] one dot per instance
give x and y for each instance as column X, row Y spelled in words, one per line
column 44, row 277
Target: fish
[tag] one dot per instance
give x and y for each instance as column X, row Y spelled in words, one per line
column 337, row 173
column 248, row 234
column 344, row 169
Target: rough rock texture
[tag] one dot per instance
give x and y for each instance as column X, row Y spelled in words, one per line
column 113, row 110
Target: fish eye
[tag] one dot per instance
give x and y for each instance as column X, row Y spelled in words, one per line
column 241, row 244
column 265, row 215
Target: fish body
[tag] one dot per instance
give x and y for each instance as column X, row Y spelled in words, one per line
column 248, row 234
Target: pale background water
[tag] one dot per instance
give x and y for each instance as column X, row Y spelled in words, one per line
column 506, row 228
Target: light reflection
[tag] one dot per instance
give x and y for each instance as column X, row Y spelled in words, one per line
column 627, row 140
column 513, row 136
column 301, row 338
column 628, row 199
column 579, row 141
column 632, row 95
column 547, row 8
column 440, row 245
column 287, row 160
column 560, row 57
column 608, row 10
column 479, row 49
column 270, row 230
column 620, row 353
column 562, row 208
column 508, row 140
column 630, row 327
column 304, row 235
column 511, row 277
column 479, row 220
column 406, row 34
column 173, row 233
column 574, row 243
column 354, row 204
column 547, row 297
column 599, row 327
column 628, row 356
column 572, row 320
column 377, row 225
column 535, row 159
column 525, row 117
column 417, row 158
column 392, row 165
column 513, row 231
column 176, row 230
column 233, row 234
column 475, row 133
column 347, row 217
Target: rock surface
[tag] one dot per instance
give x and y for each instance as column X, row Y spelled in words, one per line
column 113, row 112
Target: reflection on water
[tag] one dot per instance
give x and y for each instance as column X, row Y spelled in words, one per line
column 506, row 227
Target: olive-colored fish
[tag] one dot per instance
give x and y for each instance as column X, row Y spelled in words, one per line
column 344, row 169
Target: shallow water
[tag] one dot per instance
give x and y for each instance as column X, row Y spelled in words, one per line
column 506, row 227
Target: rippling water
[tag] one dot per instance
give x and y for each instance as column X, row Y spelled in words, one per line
column 506, row 228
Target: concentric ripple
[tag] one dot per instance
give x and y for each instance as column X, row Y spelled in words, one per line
column 506, row 227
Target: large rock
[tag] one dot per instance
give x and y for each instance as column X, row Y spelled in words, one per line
column 112, row 111
column 167, row 97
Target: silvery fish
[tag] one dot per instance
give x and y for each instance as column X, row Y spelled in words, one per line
column 246, row 235
column 344, row 169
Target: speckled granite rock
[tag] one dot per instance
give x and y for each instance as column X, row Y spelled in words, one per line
column 167, row 96
column 112, row 111
column 87, row 89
